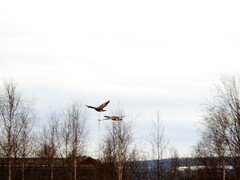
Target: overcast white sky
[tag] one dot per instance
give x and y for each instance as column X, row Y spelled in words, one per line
column 148, row 55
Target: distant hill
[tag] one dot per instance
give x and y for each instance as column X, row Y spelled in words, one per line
column 188, row 162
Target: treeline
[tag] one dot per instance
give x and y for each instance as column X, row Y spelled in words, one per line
column 63, row 141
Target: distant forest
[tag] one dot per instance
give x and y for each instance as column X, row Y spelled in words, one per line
column 57, row 150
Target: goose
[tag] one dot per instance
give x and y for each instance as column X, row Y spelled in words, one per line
column 114, row 118
column 99, row 108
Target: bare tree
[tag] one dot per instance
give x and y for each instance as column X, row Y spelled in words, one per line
column 222, row 124
column 136, row 166
column 15, row 118
column 116, row 147
column 26, row 137
column 49, row 144
column 173, row 172
column 206, row 156
column 73, row 133
column 158, row 145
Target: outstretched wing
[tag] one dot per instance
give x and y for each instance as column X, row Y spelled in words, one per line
column 118, row 118
column 90, row 107
column 107, row 117
column 103, row 105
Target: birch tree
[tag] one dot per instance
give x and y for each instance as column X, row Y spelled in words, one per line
column 116, row 147
column 158, row 144
column 15, row 118
column 74, row 133
column 221, row 125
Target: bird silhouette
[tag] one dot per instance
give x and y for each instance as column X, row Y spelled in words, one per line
column 114, row 118
column 99, row 108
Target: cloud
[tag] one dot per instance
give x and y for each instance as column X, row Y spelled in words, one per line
column 155, row 55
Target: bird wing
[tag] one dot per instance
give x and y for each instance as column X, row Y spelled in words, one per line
column 90, row 107
column 119, row 117
column 107, row 117
column 103, row 105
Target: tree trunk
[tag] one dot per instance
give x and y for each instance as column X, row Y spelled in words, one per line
column 9, row 169
column 120, row 171
column 51, row 170
column 75, row 168
column 223, row 168
column 23, row 169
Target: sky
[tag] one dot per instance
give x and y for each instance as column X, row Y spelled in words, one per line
column 148, row 56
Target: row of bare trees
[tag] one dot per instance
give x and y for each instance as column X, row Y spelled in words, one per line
column 65, row 138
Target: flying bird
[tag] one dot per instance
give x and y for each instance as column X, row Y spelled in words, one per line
column 114, row 118
column 99, row 108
